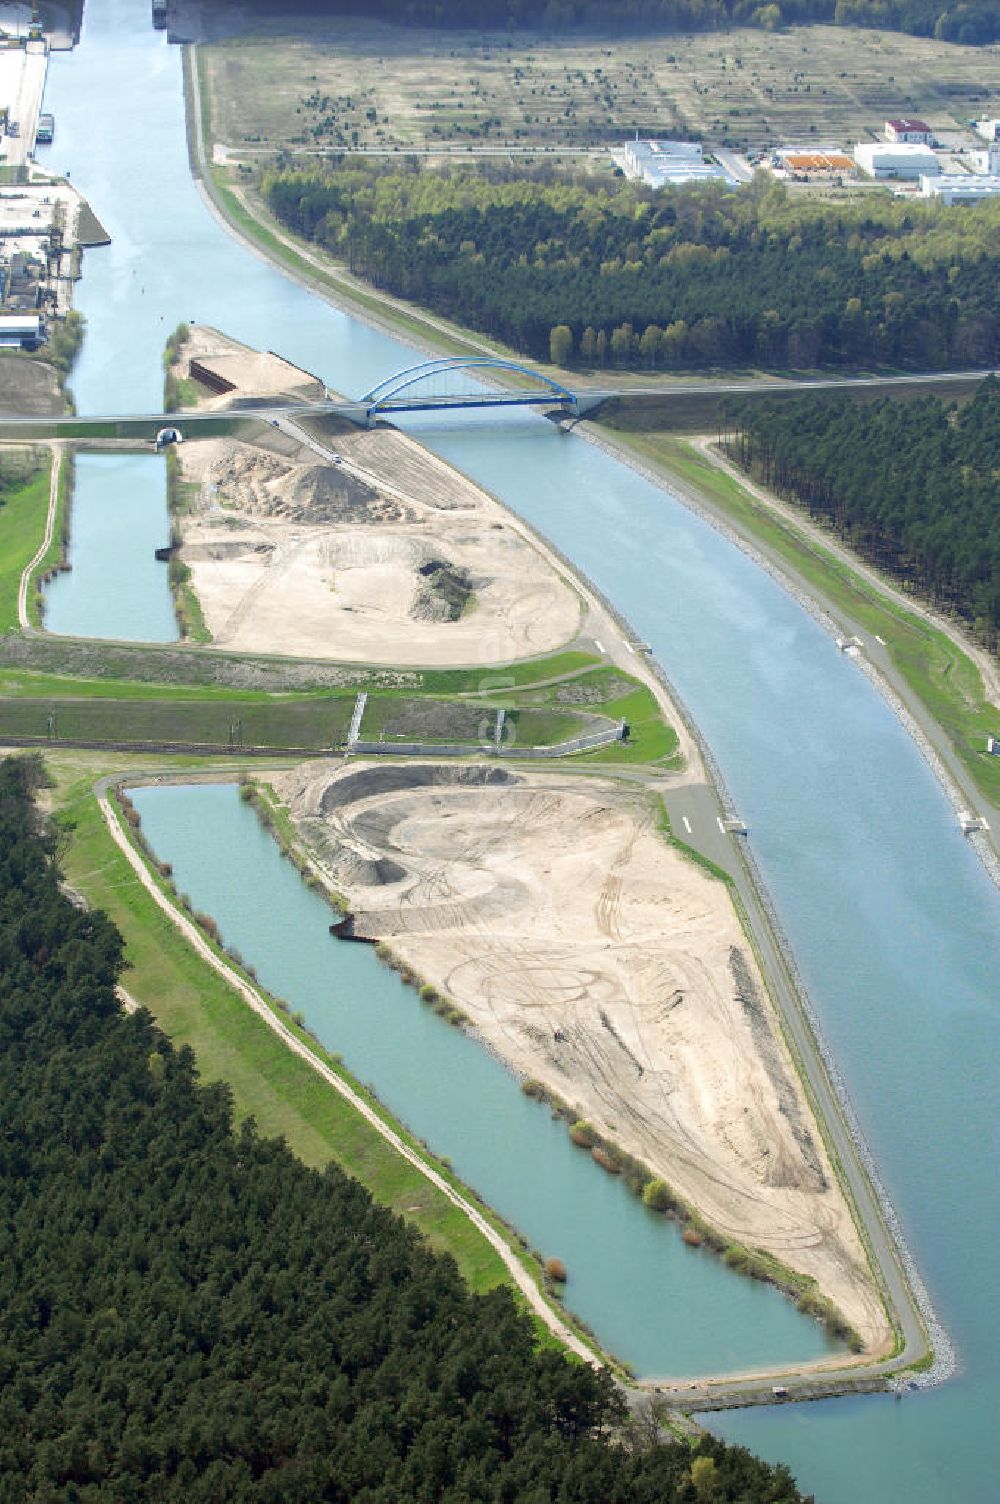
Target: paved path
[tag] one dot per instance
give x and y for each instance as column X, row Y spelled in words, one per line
column 29, row 569
column 695, row 813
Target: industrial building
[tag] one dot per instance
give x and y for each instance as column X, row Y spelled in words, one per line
column 882, row 159
column 20, row 331
column 665, row 164
column 912, row 132
column 813, row 162
column 960, row 188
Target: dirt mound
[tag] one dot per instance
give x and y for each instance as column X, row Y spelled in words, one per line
column 444, row 592
column 260, row 484
column 394, row 780
column 368, row 870
column 323, row 494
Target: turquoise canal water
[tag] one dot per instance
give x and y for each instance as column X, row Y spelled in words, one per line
column 631, row 1275
column 116, row 586
column 893, row 923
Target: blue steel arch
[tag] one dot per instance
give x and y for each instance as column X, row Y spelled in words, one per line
column 389, row 392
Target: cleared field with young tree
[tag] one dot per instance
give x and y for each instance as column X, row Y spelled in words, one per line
column 345, row 84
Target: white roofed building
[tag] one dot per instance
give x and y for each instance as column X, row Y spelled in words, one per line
column 664, row 164
column 20, row 330
column 884, row 159
column 960, row 187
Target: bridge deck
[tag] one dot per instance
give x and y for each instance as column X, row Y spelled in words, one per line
column 471, row 399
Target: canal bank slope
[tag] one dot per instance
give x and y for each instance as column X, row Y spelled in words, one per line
column 826, row 578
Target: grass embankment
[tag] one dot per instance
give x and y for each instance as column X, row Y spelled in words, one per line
column 181, row 495
column 314, row 723
column 55, row 555
column 280, row 246
column 547, row 701
column 935, row 668
column 615, row 695
column 197, row 1008
column 24, row 505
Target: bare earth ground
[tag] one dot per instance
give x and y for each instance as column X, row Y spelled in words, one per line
column 28, row 387
column 253, row 373
column 386, row 555
column 292, row 556
column 598, row 960
column 344, row 83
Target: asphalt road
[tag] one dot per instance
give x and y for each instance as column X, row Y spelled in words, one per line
column 696, row 817
column 189, row 419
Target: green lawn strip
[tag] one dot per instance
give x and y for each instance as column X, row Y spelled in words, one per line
column 312, row 723
column 443, row 682
column 941, row 675
column 56, row 551
column 196, row 1007
column 23, row 511
column 27, row 684
column 651, row 738
column 498, row 679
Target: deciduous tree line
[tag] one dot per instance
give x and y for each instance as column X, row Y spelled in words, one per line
column 968, row 21
column 614, row 275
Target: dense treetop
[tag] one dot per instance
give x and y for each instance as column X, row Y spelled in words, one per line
column 190, row 1314
column 915, row 486
column 692, row 277
column 969, row 21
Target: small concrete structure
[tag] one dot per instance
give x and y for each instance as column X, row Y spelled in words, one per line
column 989, row 129
column 167, row 436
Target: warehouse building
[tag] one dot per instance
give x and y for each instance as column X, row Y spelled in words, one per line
column 882, row 159
column 960, row 188
column 912, row 132
column 665, row 164
column 20, row 331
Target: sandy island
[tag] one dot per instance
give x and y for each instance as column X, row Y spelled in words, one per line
column 599, row 961
column 359, row 546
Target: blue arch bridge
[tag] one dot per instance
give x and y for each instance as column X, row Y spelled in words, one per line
column 438, row 384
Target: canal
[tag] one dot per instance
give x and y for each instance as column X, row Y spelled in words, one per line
column 893, row 922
